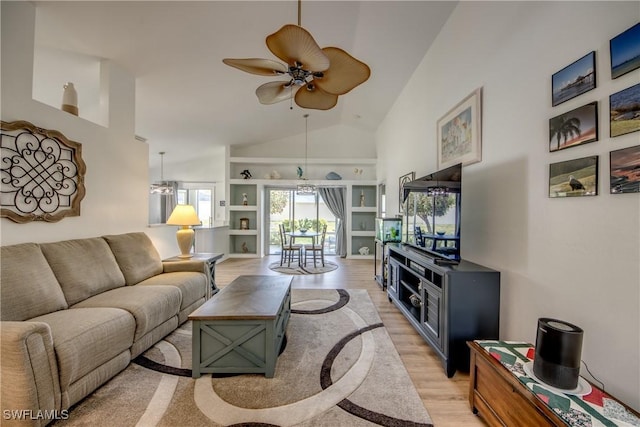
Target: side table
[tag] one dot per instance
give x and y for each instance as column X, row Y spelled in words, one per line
column 502, row 394
column 209, row 260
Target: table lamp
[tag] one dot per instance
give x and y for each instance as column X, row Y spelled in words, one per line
column 184, row 216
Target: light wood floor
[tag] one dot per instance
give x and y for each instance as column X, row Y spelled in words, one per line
column 445, row 398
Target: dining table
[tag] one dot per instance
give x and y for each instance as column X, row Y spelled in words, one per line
column 300, row 234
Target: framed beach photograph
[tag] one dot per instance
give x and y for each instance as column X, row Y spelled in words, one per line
column 573, row 128
column 624, row 110
column 574, row 79
column 403, row 180
column 625, row 170
column 574, row 178
column 625, row 52
column 460, row 132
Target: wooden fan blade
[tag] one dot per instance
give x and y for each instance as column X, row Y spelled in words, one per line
column 262, row 67
column 345, row 73
column 270, row 93
column 316, row 99
column 292, row 44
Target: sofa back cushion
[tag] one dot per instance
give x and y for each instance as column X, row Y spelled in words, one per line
column 137, row 257
column 28, row 286
column 84, row 267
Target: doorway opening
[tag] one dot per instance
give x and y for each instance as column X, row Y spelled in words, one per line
column 296, row 211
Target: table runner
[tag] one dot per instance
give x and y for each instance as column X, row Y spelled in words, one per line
column 594, row 409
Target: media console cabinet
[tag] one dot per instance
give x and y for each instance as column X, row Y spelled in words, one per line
column 447, row 304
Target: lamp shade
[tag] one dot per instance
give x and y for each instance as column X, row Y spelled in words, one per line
column 183, row 215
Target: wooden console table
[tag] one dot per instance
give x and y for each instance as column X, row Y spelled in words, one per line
column 241, row 329
column 503, row 395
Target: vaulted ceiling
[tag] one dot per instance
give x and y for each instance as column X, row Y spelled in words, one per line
column 184, row 93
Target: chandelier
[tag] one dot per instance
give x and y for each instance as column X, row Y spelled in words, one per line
column 305, row 189
column 163, row 188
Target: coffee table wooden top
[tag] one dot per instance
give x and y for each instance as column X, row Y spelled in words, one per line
column 246, row 298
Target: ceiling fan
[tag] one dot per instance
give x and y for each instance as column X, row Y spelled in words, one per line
column 316, row 76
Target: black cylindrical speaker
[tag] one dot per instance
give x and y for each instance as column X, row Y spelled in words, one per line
column 558, row 353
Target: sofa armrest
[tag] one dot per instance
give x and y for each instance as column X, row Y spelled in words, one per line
column 29, row 374
column 198, row 266
column 186, row 265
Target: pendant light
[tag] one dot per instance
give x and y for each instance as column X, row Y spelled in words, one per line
column 163, row 188
column 305, row 189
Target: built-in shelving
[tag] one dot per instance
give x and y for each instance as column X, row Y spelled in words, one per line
column 362, row 219
column 244, row 242
column 358, row 177
column 285, row 168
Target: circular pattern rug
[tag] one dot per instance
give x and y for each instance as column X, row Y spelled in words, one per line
column 339, row 368
column 305, row 269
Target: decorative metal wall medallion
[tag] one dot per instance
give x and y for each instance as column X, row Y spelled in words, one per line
column 41, row 174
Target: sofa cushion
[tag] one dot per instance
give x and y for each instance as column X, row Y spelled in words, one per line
column 84, row 267
column 149, row 305
column 193, row 286
column 137, row 257
column 84, row 339
column 29, row 287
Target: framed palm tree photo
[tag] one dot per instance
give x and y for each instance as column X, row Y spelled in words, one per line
column 573, row 128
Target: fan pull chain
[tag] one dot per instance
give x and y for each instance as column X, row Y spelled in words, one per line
column 291, row 98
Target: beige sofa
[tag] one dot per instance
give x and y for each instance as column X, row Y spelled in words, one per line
column 75, row 313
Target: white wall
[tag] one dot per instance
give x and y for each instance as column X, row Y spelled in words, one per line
column 116, row 163
column 574, row 259
column 333, row 142
column 52, row 68
column 117, row 178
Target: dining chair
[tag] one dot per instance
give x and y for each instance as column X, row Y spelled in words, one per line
column 316, row 248
column 289, row 251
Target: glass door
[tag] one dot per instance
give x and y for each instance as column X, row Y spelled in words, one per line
column 279, row 210
column 296, row 211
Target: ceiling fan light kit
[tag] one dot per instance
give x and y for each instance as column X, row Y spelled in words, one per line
column 325, row 73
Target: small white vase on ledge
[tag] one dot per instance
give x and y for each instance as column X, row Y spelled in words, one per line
column 70, row 99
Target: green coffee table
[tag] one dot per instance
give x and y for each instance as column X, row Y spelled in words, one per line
column 240, row 329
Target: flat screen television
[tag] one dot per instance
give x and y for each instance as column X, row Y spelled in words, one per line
column 432, row 207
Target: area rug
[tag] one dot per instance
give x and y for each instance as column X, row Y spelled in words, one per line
column 338, row 368
column 306, row 269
